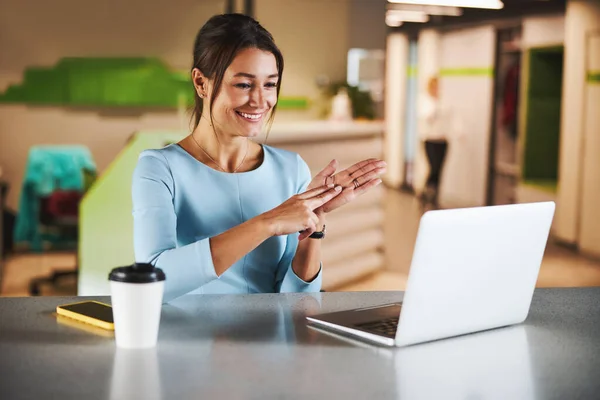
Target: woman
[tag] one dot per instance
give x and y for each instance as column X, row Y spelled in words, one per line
column 434, row 137
column 220, row 213
column 437, row 126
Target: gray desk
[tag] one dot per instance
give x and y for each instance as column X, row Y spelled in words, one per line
column 258, row 347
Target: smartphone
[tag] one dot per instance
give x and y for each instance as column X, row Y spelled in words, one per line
column 90, row 312
column 81, row 326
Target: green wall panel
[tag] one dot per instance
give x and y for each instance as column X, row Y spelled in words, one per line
column 111, row 82
column 549, row 185
column 542, row 122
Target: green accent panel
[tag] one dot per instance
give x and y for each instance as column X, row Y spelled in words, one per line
column 549, row 186
column 111, row 82
column 594, row 77
column 485, row 71
column 412, row 71
column 102, row 82
column 542, row 121
column 292, row 103
column 106, row 223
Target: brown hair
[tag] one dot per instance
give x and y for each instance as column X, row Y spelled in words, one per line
column 218, row 42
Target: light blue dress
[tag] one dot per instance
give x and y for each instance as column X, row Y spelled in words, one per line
column 179, row 203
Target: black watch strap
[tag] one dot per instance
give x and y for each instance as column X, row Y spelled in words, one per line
column 318, row 235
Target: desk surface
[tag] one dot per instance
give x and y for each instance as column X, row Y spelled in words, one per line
column 259, row 347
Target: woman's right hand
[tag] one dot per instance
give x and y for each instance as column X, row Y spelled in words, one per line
column 297, row 213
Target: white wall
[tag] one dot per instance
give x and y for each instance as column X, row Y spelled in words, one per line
column 469, row 99
column 313, row 37
column 395, row 104
column 576, row 199
column 543, row 31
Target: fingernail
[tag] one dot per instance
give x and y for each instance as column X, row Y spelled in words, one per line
column 330, row 185
column 338, row 188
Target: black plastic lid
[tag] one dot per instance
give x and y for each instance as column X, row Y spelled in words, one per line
column 137, row 273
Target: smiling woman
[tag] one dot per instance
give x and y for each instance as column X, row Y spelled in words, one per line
column 220, row 213
column 244, row 97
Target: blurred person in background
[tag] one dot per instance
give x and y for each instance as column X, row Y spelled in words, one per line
column 437, row 125
column 220, row 213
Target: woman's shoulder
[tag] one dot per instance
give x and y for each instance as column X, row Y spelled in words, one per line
column 168, row 156
column 285, row 157
column 164, row 154
column 289, row 162
column 159, row 161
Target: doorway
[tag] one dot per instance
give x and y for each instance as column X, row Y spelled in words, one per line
column 542, row 121
column 504, row 165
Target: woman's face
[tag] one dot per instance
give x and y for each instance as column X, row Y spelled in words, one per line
column 248, row 94
column 433, row 87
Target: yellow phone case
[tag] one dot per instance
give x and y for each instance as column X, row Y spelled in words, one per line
column 84, row 327
column 85, row 318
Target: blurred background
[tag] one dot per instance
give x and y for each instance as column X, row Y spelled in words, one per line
column 471, row 103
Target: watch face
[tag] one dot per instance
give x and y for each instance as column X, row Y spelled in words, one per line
column 318, row 235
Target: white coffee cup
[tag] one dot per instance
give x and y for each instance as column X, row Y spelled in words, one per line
column 136, row 296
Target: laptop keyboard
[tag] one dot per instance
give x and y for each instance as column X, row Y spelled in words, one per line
column 385, row 327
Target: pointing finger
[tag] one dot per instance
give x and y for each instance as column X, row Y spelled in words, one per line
column 314, row 192
column 322, row 198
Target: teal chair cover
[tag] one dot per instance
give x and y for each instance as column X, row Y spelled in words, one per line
column 49, row 168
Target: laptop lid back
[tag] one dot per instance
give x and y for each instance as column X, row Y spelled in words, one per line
column 473, row 269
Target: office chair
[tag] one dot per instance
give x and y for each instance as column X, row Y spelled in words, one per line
column 59, row 217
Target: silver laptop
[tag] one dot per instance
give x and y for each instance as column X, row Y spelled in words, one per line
column 473, row 269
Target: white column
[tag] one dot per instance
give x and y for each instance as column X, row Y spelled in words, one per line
column 395, row 107
column 428, row 65
column 468, row 99
column 589, row 234
column 578, row 196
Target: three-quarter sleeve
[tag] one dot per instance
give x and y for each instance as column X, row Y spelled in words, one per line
column 287, row 280
column 154, row 222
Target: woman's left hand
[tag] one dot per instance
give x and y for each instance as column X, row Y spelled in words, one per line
column 355, row 180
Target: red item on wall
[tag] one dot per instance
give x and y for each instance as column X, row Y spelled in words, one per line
column 510, row 100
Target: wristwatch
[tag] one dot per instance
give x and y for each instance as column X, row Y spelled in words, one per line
column 318, row 235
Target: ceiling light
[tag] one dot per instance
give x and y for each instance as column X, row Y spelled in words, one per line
column 392, row 22
column 427, row 9
column 406, row 16
column 492, row 4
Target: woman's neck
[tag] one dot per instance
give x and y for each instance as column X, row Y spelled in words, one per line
column 228, row 151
